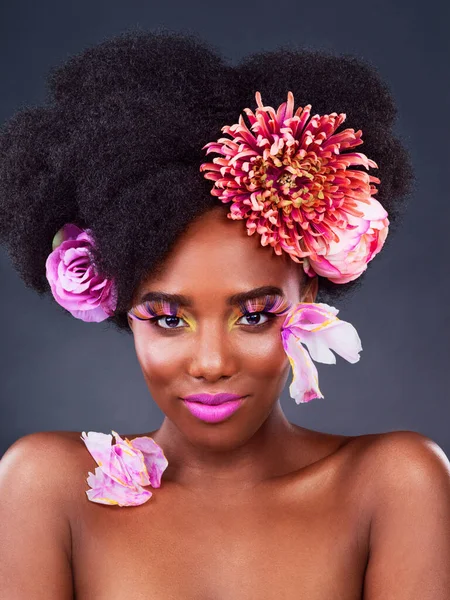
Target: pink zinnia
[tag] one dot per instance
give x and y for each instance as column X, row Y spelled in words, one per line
column 288, row 178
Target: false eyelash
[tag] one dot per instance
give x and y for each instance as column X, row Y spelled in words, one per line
column 271, row 305
column 148, row 311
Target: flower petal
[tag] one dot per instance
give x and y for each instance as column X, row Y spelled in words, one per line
column 94, row 315
column 68, row 232
column 154, row 458
column 317, row 326
column 323, row 332
column 124, row 467
column 99, row 446
column 105, row 490
column 305, row 384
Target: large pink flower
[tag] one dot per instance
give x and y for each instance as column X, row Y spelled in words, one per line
column 288, row 177
column 123, row 468
column 342, row 265
column 73, row 279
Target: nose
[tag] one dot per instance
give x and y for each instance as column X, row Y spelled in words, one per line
column 212, row 356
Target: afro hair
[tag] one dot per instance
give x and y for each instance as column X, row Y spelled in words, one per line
column 117, row 146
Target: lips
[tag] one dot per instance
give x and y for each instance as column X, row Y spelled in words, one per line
column 212, row 399
column 213, row 413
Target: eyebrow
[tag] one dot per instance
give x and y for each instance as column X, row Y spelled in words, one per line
column 233, row 300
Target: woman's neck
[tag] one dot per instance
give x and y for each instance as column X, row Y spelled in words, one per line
column 226, row 461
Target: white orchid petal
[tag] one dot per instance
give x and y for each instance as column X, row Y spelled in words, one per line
column 304, row 386
column 316, row 342
column 317, row 327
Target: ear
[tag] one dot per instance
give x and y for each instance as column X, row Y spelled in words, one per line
column 311, row 289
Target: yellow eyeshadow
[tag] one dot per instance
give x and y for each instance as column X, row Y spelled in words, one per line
column 190, row 322
column 272, row 304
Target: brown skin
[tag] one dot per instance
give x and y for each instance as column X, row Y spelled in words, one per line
column 255, row 443
column 252, row 508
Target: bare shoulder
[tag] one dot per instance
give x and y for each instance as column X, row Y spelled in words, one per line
column 36, row 507
column 44, row 447
column 402, row 453
column 50, row 461
column 41, row 450
column 405, row 479
column 389, row 466
column 383, row 462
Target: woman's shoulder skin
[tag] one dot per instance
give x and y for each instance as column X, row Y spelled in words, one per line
column 407, row 492
column 36, row 476
column 400, row 482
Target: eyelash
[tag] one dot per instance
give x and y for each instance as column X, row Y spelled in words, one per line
column 270, row 306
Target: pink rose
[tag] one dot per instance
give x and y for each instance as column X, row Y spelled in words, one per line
column 74, row 282
column 348, row 258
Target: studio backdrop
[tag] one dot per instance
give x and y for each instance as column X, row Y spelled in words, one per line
column 60, row 373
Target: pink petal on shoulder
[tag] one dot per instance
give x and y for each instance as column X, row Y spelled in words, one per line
column 105, row 490
column 98, row 445
column 154, row 458
column 104, row 454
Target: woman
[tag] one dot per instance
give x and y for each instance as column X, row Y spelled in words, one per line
column 219, row 266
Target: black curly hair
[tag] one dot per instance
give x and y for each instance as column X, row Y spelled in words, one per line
column 117, row 146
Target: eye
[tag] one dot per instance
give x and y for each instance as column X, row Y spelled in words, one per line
column 254, row 317
column 257, row 315
column 156, row 320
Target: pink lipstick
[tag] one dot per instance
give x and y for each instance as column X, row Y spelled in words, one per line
column 213, row 408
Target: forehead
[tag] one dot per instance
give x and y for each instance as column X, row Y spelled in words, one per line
column 215, row 255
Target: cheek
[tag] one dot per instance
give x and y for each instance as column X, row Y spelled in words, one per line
column 263, row 356
column 257, row 355
column 158, row 357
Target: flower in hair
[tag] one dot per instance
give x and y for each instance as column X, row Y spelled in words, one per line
column 290, row 179
column 73, row 278
column 316, row 326
column 123, row 468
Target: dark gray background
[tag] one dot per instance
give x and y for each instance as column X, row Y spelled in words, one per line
column 59, row 373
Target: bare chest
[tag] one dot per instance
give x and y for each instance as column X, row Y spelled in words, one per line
column 302, row 538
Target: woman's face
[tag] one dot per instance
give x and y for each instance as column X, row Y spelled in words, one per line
column 211, row 346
